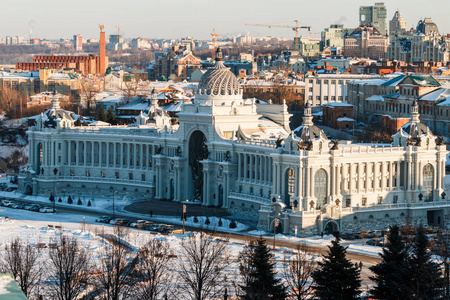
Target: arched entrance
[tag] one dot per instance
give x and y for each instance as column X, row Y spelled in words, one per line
column 279, row 225
column 28, row 190
column 331, row 227
column 197, row 152
column 220, row 204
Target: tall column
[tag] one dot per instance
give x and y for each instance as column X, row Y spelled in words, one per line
column 77, row 152
column 245, row 167
column 239, row 166
column 135, row 156
column 84, row 153
column 141, row 156
column 93, row 153
column 397, row 174
column 368, row 170
column 252, row 168
column 69, row 153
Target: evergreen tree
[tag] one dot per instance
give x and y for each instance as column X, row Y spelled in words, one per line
column 427, row 282
column 69, row 200
column 258, row 272
column 392, row 275
column 77, row 122
column 336, row 277
column 110, row 117
column 101, row 114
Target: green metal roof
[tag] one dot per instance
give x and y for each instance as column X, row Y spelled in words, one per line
column 424, row 80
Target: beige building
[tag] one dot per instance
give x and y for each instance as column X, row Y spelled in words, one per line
column 365, row 41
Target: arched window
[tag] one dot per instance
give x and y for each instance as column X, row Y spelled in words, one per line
column 428, row 182
column 290, row 186
column 320, row 187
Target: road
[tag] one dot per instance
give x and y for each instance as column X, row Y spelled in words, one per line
column 314, row 249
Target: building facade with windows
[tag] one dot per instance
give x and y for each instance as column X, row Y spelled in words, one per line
column 241, row 155
column 327, row 88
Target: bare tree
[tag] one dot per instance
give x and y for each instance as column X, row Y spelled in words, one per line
column 69, row 266
column 88, row 92
column 21, row 260
column 153, row 270
column 117, row 265
column 202, row 263
column 297, row 274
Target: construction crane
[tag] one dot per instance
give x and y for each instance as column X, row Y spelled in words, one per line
column 213, row 35
column 295, row 28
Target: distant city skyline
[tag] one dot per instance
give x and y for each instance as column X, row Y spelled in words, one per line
column 51, row 19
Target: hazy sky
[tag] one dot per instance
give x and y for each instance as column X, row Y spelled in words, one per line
column 53, row 19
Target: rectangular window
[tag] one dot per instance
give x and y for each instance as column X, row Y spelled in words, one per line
column 72, row 172
column 348, row 202
column 88, row 173
column 143, row 177
column 130, row 176
column 380, row 200
column 102, row 173
column 117, row 175
column 364, row 201
column 395, row 199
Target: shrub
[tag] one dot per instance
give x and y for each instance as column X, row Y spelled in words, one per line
column 59, row 200
column 207, row 221
column 79, row 201
column 195, row 219
column 220, row 222
column 89, row 203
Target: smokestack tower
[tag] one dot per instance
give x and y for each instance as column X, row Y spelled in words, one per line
column 102, row 67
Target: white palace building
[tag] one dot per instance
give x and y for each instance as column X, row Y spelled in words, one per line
column 241, row 155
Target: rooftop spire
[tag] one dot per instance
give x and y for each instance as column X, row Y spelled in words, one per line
column 307, row 115
column 415, row 113
column 55, row 101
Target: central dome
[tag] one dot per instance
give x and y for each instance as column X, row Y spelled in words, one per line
column 219, row 82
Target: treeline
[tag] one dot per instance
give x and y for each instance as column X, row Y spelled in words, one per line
column 203, row 268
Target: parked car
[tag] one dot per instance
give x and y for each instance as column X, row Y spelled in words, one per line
column 117, row 222
column 126, row 223
column 46, row 210
column 141, row 224
column 357, row 235
column 370, row 234
column 371, row 242
column 35, row 207
column 103, row 219
column 7, row 203
column 348, row 236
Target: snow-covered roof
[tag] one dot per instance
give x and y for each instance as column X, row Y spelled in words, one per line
column 375, row 98
column 345, row 119
column 337, row 104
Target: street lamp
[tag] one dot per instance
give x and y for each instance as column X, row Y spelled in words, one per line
column 52, row 196
column 276, row 222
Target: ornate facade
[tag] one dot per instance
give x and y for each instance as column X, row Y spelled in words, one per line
column 241, row 155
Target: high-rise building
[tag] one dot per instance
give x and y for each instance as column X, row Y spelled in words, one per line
column 78, row 42
column 397, row 24
column 375, row 16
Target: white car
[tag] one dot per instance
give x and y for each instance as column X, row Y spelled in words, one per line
column 46, row 210
column 8, row 203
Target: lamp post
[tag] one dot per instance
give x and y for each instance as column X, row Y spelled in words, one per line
column 114, row 206
column 53, row 196
column 184, row 218
column 276, row 222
